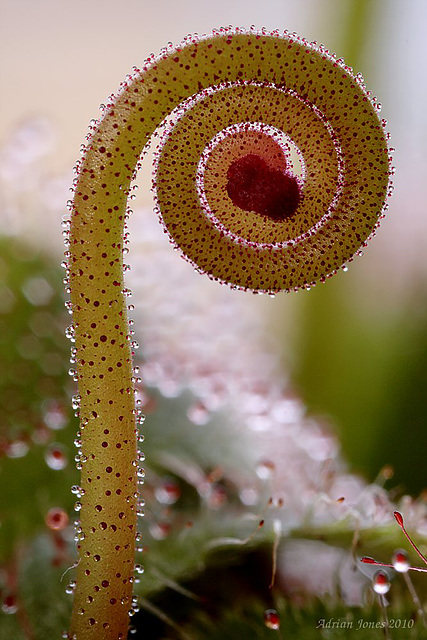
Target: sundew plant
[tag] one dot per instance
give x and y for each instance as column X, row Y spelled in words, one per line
column 230, row 198
column 272, row 171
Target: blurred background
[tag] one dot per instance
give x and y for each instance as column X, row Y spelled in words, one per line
column 354, row 349
column 352, row 353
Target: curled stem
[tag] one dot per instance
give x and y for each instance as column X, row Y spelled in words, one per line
column 232, row 200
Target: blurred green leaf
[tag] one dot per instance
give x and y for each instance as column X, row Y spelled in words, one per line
column 34, row 394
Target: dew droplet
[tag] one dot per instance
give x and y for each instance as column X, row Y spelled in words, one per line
column 400, row 561
column 380, row 582
column 56, row 457
column 69, row 589
column 249, row 496
column 17, row 449
column 10, row 604
column 160, row 530
column 265, row 469
column 140, row 418
column 168, row 492
column 271, row 619
column 198, row 413
column 54, row 415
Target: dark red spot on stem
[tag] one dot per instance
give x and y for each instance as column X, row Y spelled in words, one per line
column 253, row 186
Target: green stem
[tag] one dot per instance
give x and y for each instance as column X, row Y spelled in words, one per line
column 108, row 451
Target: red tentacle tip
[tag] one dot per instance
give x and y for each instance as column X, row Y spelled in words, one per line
column 368, row 560
column 399, row 519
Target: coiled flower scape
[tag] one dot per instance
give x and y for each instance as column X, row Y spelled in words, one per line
column 253, row 219
column 275, row 167
column 273, row 170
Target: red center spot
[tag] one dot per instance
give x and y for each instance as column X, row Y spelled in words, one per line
column 253, row 186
